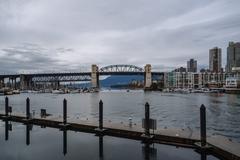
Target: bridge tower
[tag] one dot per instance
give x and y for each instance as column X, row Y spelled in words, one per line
column 25, row 82
column 22, row 82
column 147, row 76
column 95, row 76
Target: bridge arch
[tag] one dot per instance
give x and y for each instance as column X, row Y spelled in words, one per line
column 121, row 68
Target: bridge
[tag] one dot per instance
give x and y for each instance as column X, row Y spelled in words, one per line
column 28, row 81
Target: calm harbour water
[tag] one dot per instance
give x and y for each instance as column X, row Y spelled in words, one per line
column 170, row 110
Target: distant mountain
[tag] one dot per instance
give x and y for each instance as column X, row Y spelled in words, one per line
column 112, row 80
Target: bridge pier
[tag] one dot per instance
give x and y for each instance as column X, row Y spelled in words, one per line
column 1, row 82
column 55, row 85
column 95, row 76
column 25, row 82
column 147, row 76
column 12, row 82
column 15, row 83
column 9, row 82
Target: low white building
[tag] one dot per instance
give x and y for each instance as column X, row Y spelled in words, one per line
column 232, row 82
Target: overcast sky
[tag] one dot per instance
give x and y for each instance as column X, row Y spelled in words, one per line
column 70, row 35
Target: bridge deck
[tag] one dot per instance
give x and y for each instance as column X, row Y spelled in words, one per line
column 220, row 146
column 77, row 74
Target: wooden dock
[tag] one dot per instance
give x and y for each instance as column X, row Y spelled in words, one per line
column 218, row 146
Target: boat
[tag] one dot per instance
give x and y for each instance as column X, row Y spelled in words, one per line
column 16, row 92
column 197, row 91
column 8, row 93
column 74, row 91
column 57, row 92
column 26, row 91
column 183, row 91
column 93, row 90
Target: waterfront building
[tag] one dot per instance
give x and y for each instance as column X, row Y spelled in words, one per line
column 194, row 80
column 180, row 80
column 192, row 65
column 233, row 56
column 232, row 82
column 168, row 79
column 215, row 59
column 233, row 78
column 211, row 79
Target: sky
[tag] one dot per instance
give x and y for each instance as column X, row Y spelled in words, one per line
column 70, row 35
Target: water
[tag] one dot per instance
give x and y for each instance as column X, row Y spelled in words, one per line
column 170, row 110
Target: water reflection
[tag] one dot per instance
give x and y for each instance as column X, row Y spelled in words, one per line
column 28, row 129
column 149, row 150
column 101, row 147
column 6, row 130
column 203, row 155
column 64, row 142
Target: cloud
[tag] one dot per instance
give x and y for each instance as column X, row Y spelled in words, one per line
column 72, row 35
column 29, row 58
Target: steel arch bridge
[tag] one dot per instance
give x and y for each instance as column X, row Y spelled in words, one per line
column 121, row 68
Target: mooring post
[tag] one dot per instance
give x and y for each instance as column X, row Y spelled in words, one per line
column 6, row 106
column 100, row 114
column 64, row 111
column 147, row 119
column 27, row 108
column 203, row 124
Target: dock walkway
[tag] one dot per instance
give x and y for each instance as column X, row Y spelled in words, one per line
column 219, row 145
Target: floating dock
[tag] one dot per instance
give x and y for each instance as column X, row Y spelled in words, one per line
column 218, row 146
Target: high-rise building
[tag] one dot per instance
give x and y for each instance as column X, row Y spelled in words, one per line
column 233, row 56
column 180, row 69
column 215, row 59
column 192, row 65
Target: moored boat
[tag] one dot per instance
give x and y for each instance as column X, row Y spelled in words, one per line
column 57, row 92
column 16, row 92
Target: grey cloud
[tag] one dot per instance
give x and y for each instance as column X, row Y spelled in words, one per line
column 31, row 58
column 71, row 35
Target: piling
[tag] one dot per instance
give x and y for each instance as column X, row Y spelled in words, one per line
column 6, row 106
column 28, row 108
column 147, row 119
column 64, row 111
column 203, row 125
column 100, row 115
